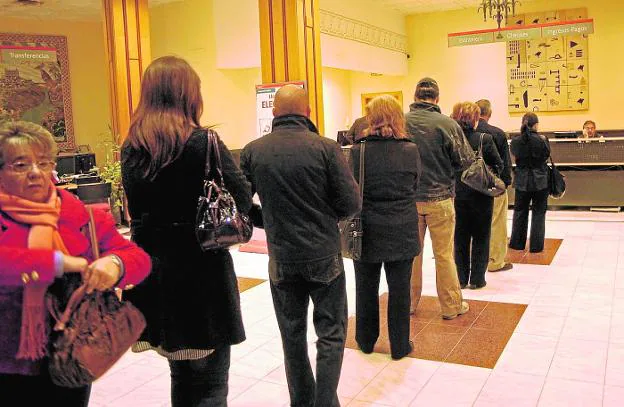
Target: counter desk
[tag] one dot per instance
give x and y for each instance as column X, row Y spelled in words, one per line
column 594, row 170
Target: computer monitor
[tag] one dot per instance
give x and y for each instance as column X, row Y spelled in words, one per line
column 565, row 134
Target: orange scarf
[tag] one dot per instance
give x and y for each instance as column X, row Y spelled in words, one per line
column 43, row 234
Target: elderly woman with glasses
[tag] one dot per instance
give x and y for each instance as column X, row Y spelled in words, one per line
column 44, row 251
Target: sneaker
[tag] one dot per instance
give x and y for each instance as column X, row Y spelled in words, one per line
column 464, row 308
column 506, row 266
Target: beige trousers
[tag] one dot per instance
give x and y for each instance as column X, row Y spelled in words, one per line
column 498, row 237
column 439, row 217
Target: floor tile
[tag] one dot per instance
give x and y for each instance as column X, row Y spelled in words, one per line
column 579, row 360
column 479, row 347
column 510, row 389
column 399, row 382
column 528, row 354
column 262, row 394
column 613, row 396
column 453, row 385
column 615, row 366
column 569, row 393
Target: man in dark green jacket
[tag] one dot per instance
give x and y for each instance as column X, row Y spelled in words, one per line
column 444, row 150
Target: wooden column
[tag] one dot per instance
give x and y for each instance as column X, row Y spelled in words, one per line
column 290, row 47
column 128, row 53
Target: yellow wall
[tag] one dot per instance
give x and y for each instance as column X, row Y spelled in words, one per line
column 186, row 29
column 336, row 100
column 475, row 72
column 87, row 71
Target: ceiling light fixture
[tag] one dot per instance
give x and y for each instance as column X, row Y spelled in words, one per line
column 498, row 9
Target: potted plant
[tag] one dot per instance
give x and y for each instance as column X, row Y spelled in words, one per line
column 111, row 172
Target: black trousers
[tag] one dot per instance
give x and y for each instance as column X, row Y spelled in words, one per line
column 367, row 276
column 473, row 226
column 36, row 391
column 201, row 382
column 538, row 201
column 292, row 287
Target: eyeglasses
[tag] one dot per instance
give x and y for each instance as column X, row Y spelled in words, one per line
column 24, row 167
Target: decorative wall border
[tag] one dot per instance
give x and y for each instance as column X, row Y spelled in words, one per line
column 340, row 26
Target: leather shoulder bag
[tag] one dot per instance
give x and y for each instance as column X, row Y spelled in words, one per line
column 556, row 181
column 351, row 229
column 92, row 333
column 218, row 223
column 480, row 177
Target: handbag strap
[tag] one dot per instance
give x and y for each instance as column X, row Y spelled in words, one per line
column 361, row 173
column 79, row 293
column 213, row 158
column 480, row 152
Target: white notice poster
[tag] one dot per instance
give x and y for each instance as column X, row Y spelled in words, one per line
column 264, row 105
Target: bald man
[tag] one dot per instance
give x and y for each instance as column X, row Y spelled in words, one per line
column 305, row 188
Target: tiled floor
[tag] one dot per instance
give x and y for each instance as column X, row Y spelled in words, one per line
column 567, row 349
column 245, row 283
column 544, row 257
column 476, row 339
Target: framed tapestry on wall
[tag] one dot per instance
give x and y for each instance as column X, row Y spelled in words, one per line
column 35, row 85
column 367, row 97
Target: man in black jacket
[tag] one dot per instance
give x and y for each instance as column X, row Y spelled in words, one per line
column 498, row 236
column 443, row 151
column 305, row 187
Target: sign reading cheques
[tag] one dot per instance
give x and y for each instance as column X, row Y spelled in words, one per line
column 264, row 104
column 529, row 32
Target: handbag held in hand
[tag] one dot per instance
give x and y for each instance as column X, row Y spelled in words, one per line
column 481, row 178
column 218, row 223
column 92, row 333
column 351, row 229
column 556, row 181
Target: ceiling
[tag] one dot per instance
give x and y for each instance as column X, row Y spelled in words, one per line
column 58, row 9
column 90, row 9
column 429, row 6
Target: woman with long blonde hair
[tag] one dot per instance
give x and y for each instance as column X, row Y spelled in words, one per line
column 390, row 225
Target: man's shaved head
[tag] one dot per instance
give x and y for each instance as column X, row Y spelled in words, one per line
column 291, row 99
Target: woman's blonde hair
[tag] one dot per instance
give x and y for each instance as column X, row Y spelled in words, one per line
column 466, row 114
column 22, row 133
column 385, row 117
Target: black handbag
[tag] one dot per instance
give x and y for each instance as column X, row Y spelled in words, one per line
column 92, row 333
column 556, row 181
column 351, row 228
column 218, row 223
column 480, row 177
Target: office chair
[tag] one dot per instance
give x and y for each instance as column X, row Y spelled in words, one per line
column 96, row 195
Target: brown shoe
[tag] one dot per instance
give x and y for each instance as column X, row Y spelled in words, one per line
column 507, row 266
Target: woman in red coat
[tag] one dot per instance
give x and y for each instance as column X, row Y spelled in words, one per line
column 43, row 249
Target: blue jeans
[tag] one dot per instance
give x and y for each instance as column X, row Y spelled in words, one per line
column 292, row 286
column 201, row 382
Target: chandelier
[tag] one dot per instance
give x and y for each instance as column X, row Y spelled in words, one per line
column 498, row 9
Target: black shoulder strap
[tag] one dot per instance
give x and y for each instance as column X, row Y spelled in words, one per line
column 213, row 158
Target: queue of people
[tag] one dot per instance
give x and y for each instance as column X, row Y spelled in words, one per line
column 190, row 299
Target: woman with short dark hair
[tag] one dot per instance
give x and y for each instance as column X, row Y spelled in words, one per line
column 531, row 151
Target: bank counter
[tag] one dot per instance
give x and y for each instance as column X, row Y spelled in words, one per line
column 594, row 169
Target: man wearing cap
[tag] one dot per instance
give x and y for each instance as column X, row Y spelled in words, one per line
column 443, row 151
column 498, row 237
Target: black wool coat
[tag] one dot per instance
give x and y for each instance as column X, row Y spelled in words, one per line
column 389, row 216
column 191, row 298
